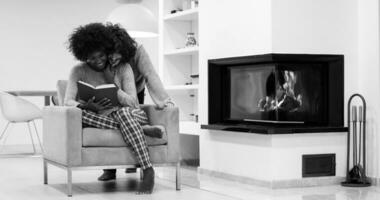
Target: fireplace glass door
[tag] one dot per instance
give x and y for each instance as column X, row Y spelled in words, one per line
column 293, row 93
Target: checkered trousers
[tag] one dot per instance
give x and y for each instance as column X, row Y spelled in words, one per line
column 129, row 122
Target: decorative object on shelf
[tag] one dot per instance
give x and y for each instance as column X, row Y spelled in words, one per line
column 356, row 177
column 136, row 19
column 195, row 117
column 190, row 40
column 193, row 4
column 175, row 11
column 194, row 76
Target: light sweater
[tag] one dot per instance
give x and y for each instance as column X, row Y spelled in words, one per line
column 145, row 75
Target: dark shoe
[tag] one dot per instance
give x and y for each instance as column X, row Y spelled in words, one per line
column 153, row 131
column 147, row 184
column 131, row 170
column 108, row 174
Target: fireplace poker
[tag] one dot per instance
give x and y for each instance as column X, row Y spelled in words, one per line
column 360, row 132
column 354, row 135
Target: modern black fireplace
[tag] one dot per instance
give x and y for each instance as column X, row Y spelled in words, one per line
column 277, row 93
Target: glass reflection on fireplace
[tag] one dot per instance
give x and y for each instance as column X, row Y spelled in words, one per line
column 278, row 93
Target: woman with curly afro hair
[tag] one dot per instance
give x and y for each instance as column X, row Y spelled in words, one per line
column 91, row 44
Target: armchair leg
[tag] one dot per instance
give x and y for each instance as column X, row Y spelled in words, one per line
column 69, row 183
column 141, row 174
column 178, row 176
column 45, row 172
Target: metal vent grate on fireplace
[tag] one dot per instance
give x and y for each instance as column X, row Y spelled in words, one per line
column 316, row 165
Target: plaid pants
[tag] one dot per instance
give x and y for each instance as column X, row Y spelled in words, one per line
column 129, row 122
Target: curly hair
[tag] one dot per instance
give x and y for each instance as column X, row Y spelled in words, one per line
column 88, row 39
column 122, row 41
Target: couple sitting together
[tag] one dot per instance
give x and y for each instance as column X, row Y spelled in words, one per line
column 109, row 55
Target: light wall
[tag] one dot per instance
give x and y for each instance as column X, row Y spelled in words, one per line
column 33, row 44
column 241, row 28
column 34, row 39
column 369, row 77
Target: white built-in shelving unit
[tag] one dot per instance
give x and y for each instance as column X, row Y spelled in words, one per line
column 178, row 64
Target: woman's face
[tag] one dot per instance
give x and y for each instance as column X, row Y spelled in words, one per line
column 97, row 60
column 114, row 59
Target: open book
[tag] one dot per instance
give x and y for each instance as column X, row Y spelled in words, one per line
column 86, row 91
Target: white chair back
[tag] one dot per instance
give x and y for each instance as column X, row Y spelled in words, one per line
column 16, row 109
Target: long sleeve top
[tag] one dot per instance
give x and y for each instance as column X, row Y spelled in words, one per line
column 145, row 75
column 124, row 79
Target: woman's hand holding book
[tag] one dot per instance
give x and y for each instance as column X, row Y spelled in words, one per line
column 96, row 106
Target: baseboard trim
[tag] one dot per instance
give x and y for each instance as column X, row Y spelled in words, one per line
column 293, row 183
column 190, row 162
column 236, row 178
column 374, row 181
column 308, row 182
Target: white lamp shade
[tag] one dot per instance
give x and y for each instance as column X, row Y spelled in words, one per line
column 136, row 19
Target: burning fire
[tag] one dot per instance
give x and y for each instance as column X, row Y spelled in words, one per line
column 284, row 98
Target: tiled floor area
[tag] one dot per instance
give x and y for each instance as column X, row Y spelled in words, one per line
column 21, row 178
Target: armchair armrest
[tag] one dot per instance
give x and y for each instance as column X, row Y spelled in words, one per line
column 169, row 118
column 62, row 134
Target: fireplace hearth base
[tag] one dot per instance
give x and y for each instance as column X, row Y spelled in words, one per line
column 262, row 129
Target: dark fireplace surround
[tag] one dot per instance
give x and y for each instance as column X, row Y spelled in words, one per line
column 277, row 94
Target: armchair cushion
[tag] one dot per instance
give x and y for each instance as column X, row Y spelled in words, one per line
column 94, row 137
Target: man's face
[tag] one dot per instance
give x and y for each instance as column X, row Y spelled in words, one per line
column 97, row 60
column 114, row 59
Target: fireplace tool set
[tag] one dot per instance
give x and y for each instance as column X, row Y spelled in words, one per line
column 356, row 116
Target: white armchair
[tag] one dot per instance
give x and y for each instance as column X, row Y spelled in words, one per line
column 70, row 146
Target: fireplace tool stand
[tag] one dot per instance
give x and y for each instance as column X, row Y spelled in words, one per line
column 356, row 177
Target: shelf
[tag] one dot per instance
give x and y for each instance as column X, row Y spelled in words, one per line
column 182, row 87
column 189, row 127
column 187, row 15
column 183, row 51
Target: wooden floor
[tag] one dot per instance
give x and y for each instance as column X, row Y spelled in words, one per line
column 21, row 178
